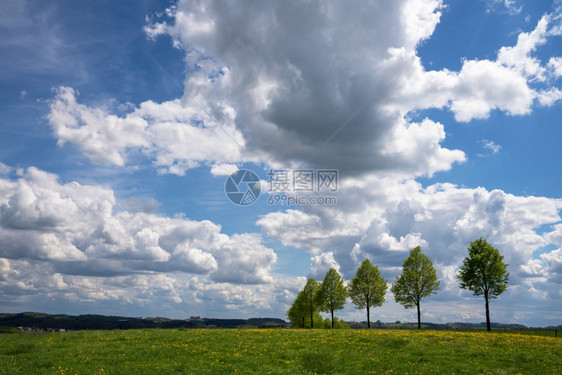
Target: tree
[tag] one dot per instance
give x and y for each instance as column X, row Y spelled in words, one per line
column 309, row 300
column 297, row 311
column 367, row 289
column 418, row 280
column 332, row 293
column 484, row 273
column 303, row 312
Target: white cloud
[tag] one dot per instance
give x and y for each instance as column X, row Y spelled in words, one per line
column 518, row 56
column 74, row 226
column 443, row 219
column 261, row 91
column 555, row 236
column 4, row 169
column 548, row 98
column 277, row 80
column 504, row 6
column 223, row 169
column 295, row 228
column 553, row 261
column 34, row 284
column 481, row 86
column 243, row 259
column 256, row 94
column 555, row 66
column 408, row 141
column 143, row 256
column 170, row 133
column 484, row 86
column 490, row 146
column 103, row 138
column 321, row 264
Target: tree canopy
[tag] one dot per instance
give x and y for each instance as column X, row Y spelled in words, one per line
column 484, row 273
column 309, row 298
column 332, row 293
column 418, row 280
column 297, row 312
column 303, row 313
column 368, row 288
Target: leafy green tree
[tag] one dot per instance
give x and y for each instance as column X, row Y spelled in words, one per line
column 367, row 289
column 309, row 300
column 484, row 273
column 332, row 293
column 297, row 311
column 418, row 280
column 318, row 321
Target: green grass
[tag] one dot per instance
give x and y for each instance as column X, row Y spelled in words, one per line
column 278, row 352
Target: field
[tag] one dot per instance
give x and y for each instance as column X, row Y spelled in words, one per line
column 155, row 351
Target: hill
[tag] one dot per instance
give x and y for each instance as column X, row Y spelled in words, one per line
column 41, row 321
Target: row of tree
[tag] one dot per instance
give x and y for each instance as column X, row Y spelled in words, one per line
column 483, row 272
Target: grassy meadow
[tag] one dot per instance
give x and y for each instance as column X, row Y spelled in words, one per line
column 281, row 351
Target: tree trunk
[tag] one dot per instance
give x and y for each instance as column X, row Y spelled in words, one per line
column 419, row 320
column 302, row 321
column 332, row 318
column 488, row 327
column 368, row 318
column 311, row 319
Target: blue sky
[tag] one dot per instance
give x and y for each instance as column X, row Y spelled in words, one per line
column 121, row 121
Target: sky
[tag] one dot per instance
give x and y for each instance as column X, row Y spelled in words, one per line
column 203, row 158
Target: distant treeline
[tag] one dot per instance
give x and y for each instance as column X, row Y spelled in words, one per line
column 451, row 326
column 41, row 321
column 80, row 322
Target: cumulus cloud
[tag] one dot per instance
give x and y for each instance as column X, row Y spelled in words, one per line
column 37, row 286
column 26, row 281
column 244, row 260
column 443, row 219
column 139, row 253
column 103, row 138
column 67, row 242
column 555, row 66
column 481, row 86
column 259, row 91
column 223, row 169
column 519, row 56
column 553, row 261
column 75, row 227
column 485, row 85
column 262, row 78
column 321, row 264
column 324, row 84
column 295, row 228
column 171, row 134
